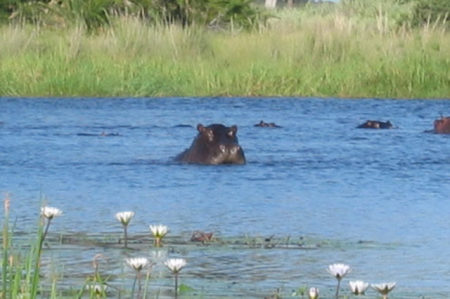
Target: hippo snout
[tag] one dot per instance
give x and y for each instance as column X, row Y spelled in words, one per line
column 235, row 149
column 222, row 148
column 232, row 149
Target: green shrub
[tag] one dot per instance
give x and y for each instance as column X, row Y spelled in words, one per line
column 431, row 11
column 5, row 10
column 217, row 13
column 96, row 13
column 91, row 13
column 28, row 11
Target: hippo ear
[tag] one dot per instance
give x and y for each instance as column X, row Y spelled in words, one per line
column 200, row 128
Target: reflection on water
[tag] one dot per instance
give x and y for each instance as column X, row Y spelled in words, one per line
column 374, row 199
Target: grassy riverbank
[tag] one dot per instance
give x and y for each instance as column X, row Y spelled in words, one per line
column 331, row 51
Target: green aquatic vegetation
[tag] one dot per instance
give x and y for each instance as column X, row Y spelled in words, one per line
column 104, row 280
column 21, row 267
column 5, row 246
column 96, row 285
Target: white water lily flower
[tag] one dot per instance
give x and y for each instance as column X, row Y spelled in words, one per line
column 50, row 212
column 159, row 231
column 125, row 217
column 358, row 287
column 137, row 263
column 338, row 270
column 175, row 265
column 384, row 288
column 96, row 288
column 313, row 293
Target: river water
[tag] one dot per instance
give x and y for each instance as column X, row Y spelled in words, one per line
column 378, row 200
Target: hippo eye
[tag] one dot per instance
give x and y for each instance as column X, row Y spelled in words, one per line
column 230, row 133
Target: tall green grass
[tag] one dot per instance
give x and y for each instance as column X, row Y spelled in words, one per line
column 20, row 268
column 341, row 50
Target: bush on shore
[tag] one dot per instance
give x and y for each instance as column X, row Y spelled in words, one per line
column 431, row 11
column 97, row 13
column 217, row 13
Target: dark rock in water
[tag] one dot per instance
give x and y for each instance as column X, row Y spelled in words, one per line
column 214, row 144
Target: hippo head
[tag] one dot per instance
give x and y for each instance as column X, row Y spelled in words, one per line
column 214, row 144
column 376, row 124
column 220, row 144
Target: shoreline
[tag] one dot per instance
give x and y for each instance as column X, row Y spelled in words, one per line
column 281, row 98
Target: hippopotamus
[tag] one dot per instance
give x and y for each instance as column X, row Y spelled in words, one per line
column 375, row 124
column 199, row 236
column 442, row 125
column 214, row 144
column 102, row 134
column 267, row 125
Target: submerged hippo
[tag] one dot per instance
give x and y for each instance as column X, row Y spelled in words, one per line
column 442, row 125
column 375, row 124
column 199, row 236
column 214, row 144
column 267, row 125
column 102, row 134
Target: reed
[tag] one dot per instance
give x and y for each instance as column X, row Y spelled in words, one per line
column 21, row 265
column 5, row 246
column 326, row 50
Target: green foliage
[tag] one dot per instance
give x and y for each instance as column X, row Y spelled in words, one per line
column 393, row 13
column 184, row 289
column 96, row 13
column 6, row 9
column 28, row 11
column 431, row 11
column 20, row 271
column 91, row 13
column 334, row 50
column 237, row 12
column 217, row 13
column 328, row 55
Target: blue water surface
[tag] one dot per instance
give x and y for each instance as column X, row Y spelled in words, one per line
column 317, row 176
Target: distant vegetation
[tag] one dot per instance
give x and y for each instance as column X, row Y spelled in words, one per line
column 353, row 48
column 218, row 13
column 96, row 13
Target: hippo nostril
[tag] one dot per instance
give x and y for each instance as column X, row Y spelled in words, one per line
column 235, row 149
column 222, row 148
